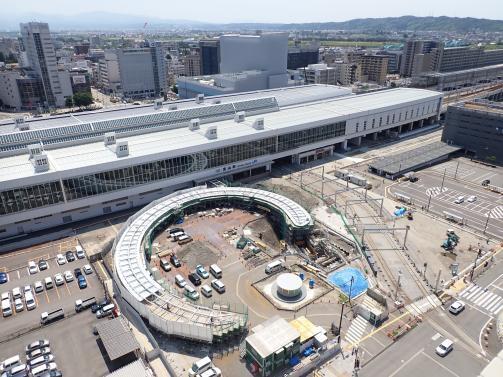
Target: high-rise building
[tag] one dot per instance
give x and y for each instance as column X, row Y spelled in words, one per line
column 299, row 57
column 192, row 64
column 209, row 51
column 394, row 59
column 247, row 62
column 412, row 48
column 142, row 71
column 346, row 73
column 108, row 73
column 373, row 68
column 41, row 57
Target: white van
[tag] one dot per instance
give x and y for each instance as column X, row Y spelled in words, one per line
column 30, row 301
column 274, row 266
column 206, row 290
column 37, row 371
column 212, row 372
column 218, row 285
column 6, row 308
column 48, row 282
column 200, row 366
column 216, row 271
column 18, row 369
column 180, row 281
column 191, row 293
column 105, row 311
column 9, row 363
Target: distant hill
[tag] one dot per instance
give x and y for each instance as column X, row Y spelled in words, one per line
column 116, row 21
column 404, row 23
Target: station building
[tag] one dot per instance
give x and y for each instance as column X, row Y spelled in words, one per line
column 58, row 170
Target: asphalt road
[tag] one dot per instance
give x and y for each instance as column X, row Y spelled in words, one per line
column 63, row 296
column 414, row 356
column 475, row 214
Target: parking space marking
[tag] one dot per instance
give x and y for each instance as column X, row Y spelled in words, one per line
column 440, row 364
column 57, row 291
column 68, row 289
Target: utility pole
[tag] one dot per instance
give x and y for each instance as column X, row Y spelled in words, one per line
column 351, row 289
column 424, row 271
column 443, row 179
column 340, row 324
column 301, row 179
column 487, row 221
column 405, row 237
column 438, row 280
column 429, row 200
column 398, row 284
column 456, row 172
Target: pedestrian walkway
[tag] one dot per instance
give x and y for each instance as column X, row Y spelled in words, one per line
column 481, row 297
column 356, row 330
column 423, row 305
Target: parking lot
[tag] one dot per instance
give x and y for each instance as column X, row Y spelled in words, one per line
column 62, row 296
column 72, row 342
column 437, row 194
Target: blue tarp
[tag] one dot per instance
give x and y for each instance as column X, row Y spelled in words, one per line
column 342, row 280
column 400, row 212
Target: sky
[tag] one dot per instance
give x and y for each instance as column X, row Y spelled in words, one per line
column 281, row 11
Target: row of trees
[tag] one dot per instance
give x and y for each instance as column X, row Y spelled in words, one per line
column 80, row 99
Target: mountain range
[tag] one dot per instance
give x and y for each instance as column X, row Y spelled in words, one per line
column 115, row 21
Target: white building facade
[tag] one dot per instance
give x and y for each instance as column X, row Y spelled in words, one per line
column 109, row 161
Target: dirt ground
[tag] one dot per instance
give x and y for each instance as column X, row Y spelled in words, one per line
column 282, row 187
column 198, row 252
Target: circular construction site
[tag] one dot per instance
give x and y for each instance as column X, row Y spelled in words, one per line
column 166, row 256
column 289, row 287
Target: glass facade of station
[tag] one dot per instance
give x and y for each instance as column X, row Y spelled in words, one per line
column 27, row 198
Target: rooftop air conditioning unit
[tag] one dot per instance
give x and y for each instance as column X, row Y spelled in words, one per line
column 211, row 132
column 35, row 150
column 109, row 138
column 239, row 117
column 258, row 124
column 40, row 163
column 158, row 104
column 172, row 107
column 194, row 124
column 200, row 98
column 21, row 125
column 121, row 148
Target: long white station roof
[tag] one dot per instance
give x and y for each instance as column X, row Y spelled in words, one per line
column 179, row 141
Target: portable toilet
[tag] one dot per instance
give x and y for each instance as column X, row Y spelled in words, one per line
column 311, row 283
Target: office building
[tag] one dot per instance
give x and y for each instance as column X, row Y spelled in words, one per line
column 90, row 164
column 9, row 91
column 373, row 68
column 82, row 48
column 319, row 74
column 346, row 73
column 142, row 71
column 300, row 57
column 41, row 57
column 192, row 64
column 411, row 49
column 394, row 60
column 247, row 62
column 209, row 51
column 108, row 73
column 477, row 126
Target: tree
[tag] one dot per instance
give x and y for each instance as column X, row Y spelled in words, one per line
column 69, row 102
column 174, row 89
column 82, row 99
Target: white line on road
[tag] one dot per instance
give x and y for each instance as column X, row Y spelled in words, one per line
column 406, row 362
column 441, row 365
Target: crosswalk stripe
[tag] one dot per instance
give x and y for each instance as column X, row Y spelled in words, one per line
column 496, row 311
column 476, row 291
column 494, row 304
column 481, row 298
column 468, row 289
column 491, row 296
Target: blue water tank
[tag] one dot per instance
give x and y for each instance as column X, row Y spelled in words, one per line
column 301, row 276
column 311, row 283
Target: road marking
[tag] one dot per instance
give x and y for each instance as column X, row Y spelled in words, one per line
column 436, row 336
column 406, row 362
column 384, row 326
column 68, row 289
column 47, row 296
column 440, row 365
column 57, row 291
column 356, row 330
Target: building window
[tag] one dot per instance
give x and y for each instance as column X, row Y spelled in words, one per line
column 380, row 121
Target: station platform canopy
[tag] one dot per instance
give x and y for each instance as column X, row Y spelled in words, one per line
column 400, row 163
column 117, row 339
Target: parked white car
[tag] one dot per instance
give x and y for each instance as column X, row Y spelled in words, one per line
column 457, row 307
column 61, row 259
column 58, row 279
column 39, row 287
column 68, row 276
column 32, row 267
column 471, row 199
column 18, row 304
column 87, row 269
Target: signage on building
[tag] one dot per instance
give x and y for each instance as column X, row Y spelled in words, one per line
column 79, row 79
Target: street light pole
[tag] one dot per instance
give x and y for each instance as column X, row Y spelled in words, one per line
column 443, row 179
column 487, row 221
column 429, row 200
column 350, row 289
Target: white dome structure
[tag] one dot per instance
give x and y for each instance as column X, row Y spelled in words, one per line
column 289, row 285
